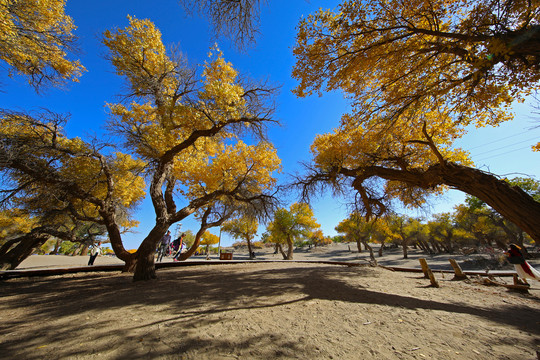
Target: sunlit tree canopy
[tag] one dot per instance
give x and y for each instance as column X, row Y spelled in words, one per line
column 35, row 38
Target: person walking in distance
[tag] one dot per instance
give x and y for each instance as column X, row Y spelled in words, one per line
column 180, row 247
column 94, row 252
column 164, row 245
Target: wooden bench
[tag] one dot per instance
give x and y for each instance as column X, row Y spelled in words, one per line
column 225, row 256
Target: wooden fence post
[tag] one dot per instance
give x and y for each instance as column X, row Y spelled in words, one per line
column 428, row 273
column 459, row 275
column 425, row 267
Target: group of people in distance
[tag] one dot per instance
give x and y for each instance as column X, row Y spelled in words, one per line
column 165, row 248
column 174, row 248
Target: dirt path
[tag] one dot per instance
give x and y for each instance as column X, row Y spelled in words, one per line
column 265, row 311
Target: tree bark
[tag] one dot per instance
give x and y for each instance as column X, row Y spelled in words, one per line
column 280, row 248
column 144, row 262
column 145, row 268
column 381, row 248
column 109, row 216
column 195, row 245
column 56, row 246
column 84, row 250
column 405, row 248
column 290, row 248
column 510, row 201
column 249, row 248
column 14, row 255
column 359, row 245
column 371, row 255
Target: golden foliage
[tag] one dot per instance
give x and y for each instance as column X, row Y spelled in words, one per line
column 209, row 239
column 418, row 73
column 473, row 57
column 249, row 166
column 15, row 221
column 74, row 163
column 241, row 228
column 34, row 38
column 293, row 223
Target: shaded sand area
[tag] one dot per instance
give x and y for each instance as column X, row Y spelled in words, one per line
column 266, row 311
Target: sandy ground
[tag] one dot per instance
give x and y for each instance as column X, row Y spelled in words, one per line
column 266, row 311
column 346, row 252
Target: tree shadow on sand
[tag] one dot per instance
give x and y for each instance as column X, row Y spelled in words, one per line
column 184, row 298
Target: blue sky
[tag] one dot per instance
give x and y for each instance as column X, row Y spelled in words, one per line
column 504, row 150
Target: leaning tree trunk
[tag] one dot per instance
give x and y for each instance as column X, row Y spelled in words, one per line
column 195, row 245
column 371, row 255
column 381, row 248
column 405, row 248
column 84, row 250
column 20, row 249
column 109, row 216
column 510, row 201
column 56, row 246
column 280, row 249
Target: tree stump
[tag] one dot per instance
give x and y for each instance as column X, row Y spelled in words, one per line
column 428, row 273
column 459, row 275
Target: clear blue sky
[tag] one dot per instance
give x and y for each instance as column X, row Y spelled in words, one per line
column 503, row 151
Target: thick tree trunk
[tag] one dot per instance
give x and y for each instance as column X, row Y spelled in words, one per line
column 20, row 250
column 290, row 247
column 145, row 256
column 84, row 250
column 145, row 268
column 511, row 202
column 115, row 237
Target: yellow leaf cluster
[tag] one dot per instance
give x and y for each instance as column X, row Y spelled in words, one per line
column 209, row 239
column 76, row 162
column 241, row 228
column 399, row 145
column 248, row 166
column 138, row 53
column 34, row 37
column 369, row 143
column 15, row 221
column 161, row 118
column 220, row 87
column 290, row 224
column 388, row 56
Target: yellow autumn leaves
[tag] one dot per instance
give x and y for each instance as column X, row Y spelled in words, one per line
column 34, row 38
column 75, row 162
column 403, row 64
column 251, row 166
column 160, row 120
